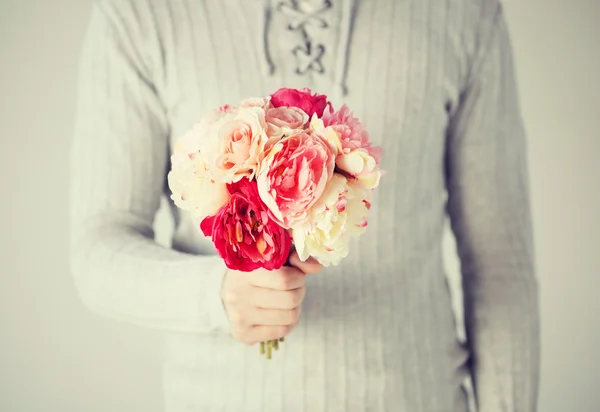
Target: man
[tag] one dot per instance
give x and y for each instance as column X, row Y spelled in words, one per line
column 434, row 84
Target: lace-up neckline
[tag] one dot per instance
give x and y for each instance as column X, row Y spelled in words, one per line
column 308, row 53
column 308, row 22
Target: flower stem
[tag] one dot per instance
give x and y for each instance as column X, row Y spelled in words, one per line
column 281, row 339
column 276, row 344
column 269, row 345
column 262, row 348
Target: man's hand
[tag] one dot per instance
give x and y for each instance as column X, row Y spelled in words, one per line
column 265, row 305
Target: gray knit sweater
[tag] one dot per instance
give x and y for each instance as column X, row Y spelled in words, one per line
column 434, row 83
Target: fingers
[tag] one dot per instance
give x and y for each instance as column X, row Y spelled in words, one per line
column 277, row 299
column 264, row 305
column 285, row 278
column 272, row 317
column 270, row 324
column 310, row 267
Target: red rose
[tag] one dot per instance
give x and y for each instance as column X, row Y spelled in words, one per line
column 244, row 235
column 303, row 99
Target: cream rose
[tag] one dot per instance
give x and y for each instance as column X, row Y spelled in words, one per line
column 339, row 215
column 254, row 102
column 235, row 144
column 192, row 186
column 285, row 121
column 360, row 164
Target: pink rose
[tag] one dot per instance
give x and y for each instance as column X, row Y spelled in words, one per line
column 285, row 120
column 356, row 156
column 353, row 134
column 303, row 99
column 293, row 176
column 244, row 235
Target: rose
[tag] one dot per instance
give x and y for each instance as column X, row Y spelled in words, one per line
column 255, row 102
column 194, row 190
column 285, row 120
column 360, row 164
column 203, row 128
column 303, row 99
column 339, row 215
column 293, row 176
column 192, row 186
column 351, row 131
column 356, row 157
column 243, row 234
column 235, row 144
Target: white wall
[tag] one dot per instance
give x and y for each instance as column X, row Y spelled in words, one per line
column 558, row 62
column 56, row 356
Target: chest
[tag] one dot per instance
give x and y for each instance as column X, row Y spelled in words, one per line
column 395, row 63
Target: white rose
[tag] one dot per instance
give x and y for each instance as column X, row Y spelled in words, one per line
column 361, row 165
column 340, row 214
column 192, row 186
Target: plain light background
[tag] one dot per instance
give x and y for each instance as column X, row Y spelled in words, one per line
column 56, row 356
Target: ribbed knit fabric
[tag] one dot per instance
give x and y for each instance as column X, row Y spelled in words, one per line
column 433, row 82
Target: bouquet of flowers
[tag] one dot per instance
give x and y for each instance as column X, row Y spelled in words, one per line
column 274, row 172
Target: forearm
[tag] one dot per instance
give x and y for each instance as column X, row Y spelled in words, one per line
column 119, row 159
column 122, row 273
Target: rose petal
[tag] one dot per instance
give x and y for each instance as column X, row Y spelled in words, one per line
column 261, row 245
column 352, row 163
column 370, row 180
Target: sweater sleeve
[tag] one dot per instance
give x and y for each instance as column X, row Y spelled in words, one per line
column 119, row 161
column 489, row 209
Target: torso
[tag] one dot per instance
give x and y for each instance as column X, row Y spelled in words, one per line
column 377, row 332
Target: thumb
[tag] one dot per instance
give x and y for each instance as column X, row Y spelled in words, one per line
column 310, row 267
